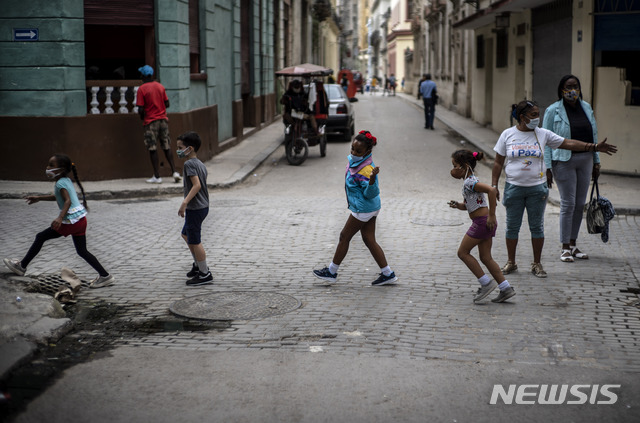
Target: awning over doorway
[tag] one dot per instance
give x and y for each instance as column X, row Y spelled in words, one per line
column 487, row 15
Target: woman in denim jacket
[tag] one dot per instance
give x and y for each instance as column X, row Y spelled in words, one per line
column 571, row 117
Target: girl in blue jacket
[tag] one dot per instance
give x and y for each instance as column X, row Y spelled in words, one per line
column 363, row 199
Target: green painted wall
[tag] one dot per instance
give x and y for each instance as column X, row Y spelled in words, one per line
column 44, row 77
column 47, row 77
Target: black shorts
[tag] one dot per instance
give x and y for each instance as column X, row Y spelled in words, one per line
column 193, row 224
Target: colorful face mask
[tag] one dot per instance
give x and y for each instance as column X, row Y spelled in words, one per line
column 182, row 153
column 571, row 95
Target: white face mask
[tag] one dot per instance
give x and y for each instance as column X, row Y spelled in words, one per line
column 533, row 123
column 51, row 173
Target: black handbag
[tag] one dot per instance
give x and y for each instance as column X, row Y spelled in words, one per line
column 595, row 215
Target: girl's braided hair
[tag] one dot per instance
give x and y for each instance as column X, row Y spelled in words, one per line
column 65, row 163
column 367, row 138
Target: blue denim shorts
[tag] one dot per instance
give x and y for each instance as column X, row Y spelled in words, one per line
column 193, row 225
column 516, row 200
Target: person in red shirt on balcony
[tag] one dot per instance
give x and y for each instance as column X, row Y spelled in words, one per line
column 152, row 102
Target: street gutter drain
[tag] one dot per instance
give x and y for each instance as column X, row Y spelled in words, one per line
column 235, row 305
column 50, row 284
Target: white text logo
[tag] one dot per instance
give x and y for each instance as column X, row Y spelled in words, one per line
column 554, row 394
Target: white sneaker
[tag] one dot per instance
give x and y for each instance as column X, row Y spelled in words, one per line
column 15, row 266
column 102, row 281
column 154, row 180
column 177, row 177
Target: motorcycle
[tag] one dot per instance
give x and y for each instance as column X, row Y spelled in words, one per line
column 300, row 129
column 300, row 135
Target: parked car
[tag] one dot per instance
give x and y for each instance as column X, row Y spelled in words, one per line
column 358, row 81
column 341, row 113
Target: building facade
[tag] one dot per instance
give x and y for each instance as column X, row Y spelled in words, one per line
column 71, row 86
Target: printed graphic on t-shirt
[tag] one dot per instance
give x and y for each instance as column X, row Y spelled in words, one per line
column 525, row 152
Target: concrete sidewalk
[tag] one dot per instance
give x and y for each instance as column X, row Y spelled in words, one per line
column 620, row 190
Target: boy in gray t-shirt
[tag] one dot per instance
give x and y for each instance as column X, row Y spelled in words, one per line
column 194, row 207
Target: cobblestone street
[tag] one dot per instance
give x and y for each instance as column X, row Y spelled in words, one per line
column 269, row 233
column 263, row 239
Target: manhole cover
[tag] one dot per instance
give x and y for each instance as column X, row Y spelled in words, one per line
column 238, row 305
column 435, row 222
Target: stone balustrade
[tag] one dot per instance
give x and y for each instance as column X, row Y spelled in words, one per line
column 110, row 97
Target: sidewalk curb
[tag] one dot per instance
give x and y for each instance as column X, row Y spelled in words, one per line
column 238, row 177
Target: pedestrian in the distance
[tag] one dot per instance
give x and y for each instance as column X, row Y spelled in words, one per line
column 194, row 207
column 428, row 92
column 385, row 91
column 520, row 151
column 345, row 83
column 363, row 199
column 152, row 102
column 70, row 221
column 483, row 226
column 571, row 117
column 392, row 84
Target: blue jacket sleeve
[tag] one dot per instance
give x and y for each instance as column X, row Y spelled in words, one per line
column 547, row 123
column 372, row 191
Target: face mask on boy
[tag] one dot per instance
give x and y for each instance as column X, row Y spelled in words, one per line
column 182, row 153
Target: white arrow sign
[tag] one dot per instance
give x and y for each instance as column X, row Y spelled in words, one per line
column 25, row 34
column 29, row 34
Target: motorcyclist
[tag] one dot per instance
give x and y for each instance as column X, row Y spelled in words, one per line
column 294, row 101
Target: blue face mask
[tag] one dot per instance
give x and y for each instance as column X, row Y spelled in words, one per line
column 355, row 158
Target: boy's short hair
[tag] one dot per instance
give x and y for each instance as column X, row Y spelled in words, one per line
column 191, row 139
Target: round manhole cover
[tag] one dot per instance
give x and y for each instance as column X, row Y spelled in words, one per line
column 435, row 222
column 238, row 305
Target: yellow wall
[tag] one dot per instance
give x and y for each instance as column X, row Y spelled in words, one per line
column 616, row 121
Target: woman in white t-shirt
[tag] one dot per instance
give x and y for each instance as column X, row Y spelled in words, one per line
column 520, row 151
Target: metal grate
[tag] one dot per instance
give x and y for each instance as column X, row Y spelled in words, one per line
column 50, row 284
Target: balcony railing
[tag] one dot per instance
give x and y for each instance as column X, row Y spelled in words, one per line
column 110, row 97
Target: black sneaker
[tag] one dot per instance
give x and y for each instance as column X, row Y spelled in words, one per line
column 200, row 279
column 326, row 275
column 385, row 280
column 194, row 271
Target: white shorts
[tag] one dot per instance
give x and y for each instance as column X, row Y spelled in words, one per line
column 365, row 217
